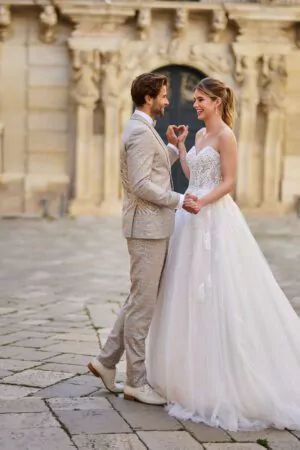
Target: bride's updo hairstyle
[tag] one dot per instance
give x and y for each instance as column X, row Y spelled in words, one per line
column 217, row 89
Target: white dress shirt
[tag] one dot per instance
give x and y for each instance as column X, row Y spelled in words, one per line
column 170, row 146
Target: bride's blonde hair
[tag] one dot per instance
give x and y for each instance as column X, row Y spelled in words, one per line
column 217, row 89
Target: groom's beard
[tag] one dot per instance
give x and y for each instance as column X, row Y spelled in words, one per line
column 158, row 111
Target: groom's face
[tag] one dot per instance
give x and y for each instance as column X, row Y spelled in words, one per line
column 160, row 103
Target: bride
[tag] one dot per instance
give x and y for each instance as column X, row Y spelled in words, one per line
column 224, row 343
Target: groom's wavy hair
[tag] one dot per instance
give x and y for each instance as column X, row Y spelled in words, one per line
column 217, row 89
column 147, row 84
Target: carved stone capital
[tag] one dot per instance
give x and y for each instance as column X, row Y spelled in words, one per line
column 144, row 22
column 48, row 24
column 5, row 21
column 86, row 76
column 218, row 25
column 262, row 25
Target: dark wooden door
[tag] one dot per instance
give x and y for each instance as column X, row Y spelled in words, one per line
column 180, row 112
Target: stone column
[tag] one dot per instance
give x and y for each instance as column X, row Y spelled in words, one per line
column 247, row 76
column 86, row 93
column 272, row 98
column 111, row 100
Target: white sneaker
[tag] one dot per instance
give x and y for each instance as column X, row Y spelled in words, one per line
column 143, row 394
column 108, row 376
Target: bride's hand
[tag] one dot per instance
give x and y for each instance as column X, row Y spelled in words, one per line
column 192, row 203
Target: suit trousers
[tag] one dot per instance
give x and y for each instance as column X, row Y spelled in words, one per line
column 147, row 258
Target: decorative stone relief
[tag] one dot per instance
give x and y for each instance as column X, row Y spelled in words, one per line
column 246, row 76
column 216, row 60
column 273, row 84
column 110, row 85
column 273, row 81
column 219, row 24
column 86, row 76
column 5, row 21
column 298, row 35
column 248, row 188
column 48, row 24
column 144, row 22
column 181, row 21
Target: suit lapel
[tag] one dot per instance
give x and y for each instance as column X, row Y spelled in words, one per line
column 156, row 135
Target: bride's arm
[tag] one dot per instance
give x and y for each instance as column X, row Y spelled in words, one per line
column 182, row 159
column 228, row 154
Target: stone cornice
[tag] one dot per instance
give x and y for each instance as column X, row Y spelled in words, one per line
column 263, row 13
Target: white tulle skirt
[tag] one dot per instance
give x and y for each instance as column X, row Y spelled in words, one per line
column 224, row 343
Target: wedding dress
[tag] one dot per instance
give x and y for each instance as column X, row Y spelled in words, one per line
column 224, row 343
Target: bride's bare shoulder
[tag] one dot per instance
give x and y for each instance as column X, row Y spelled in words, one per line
column 201, row 132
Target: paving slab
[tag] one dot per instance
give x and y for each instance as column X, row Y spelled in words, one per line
column 13, row 392
column 67, row 368
column 79, row 404
column 24, row 354
column 68, row 388
column 77, row 337
column 16, row 365
column 93, row 421
column 144, row 417
column 277, row 440
column 36, row 378
column 36, row 439
column 68, row 358
column 109, row 441
column 204, row 433
column 167, row 440
column 34, row 343
column 235, row 446
column 78, row 348
column 5, row 373
column 16, row 421
column 23, row 405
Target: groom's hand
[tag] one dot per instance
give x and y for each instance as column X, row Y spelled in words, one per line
column 191, row 204
column 171, row 135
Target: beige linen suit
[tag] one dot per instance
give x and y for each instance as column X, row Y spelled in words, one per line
column 148, row 219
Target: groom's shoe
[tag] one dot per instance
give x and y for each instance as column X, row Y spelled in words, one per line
column 143, row 394
column 108, row 376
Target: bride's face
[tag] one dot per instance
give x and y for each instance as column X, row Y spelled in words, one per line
column 204, row 105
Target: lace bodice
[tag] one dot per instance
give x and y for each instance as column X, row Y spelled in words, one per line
column 205, row 169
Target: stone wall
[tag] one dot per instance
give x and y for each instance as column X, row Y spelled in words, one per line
column 65, row 74
column 35, row 112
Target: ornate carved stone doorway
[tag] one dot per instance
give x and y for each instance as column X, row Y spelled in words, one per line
column 183, row 80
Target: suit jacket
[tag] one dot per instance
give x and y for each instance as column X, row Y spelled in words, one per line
column 149, row 201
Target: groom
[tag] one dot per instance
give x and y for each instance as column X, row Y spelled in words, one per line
column 148, row 218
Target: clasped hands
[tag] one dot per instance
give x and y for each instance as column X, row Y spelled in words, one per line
column 191, row 203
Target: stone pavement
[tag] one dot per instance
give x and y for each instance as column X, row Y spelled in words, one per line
column 61, row 284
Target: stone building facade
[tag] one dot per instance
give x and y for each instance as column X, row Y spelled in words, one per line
column 65, row 72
